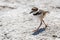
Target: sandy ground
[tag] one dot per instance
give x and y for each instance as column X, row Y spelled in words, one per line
column 17, row 24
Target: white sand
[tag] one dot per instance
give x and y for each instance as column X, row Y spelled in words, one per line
column 18, row 24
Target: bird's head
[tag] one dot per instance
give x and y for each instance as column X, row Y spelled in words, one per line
column 34, row 9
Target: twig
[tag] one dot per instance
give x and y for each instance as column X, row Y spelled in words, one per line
column 7, row 7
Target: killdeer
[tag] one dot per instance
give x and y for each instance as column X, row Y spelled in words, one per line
column 41, row 14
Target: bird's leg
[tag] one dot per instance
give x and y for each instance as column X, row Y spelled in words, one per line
column 39, row 26
column 45, row 24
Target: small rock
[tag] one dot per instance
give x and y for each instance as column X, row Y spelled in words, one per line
column 58, row 7
column 54, row 35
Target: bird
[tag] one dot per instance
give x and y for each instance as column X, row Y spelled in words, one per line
column 41, row 13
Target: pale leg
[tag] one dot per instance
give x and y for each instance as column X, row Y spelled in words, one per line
column 39, row 26
column 45, row 24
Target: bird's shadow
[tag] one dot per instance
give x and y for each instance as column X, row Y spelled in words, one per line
column 39, row 31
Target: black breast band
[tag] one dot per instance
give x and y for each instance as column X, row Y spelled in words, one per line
column 38, row 13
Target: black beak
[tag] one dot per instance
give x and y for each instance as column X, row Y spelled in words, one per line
column 31, row 12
